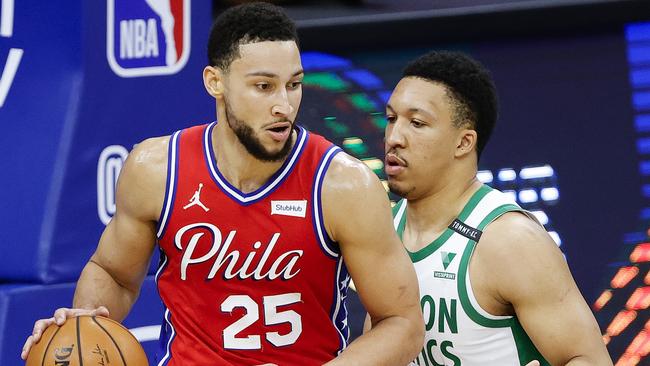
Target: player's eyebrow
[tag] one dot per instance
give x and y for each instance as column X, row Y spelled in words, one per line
column 421, row 111
column 272, row 75
column 412, row 110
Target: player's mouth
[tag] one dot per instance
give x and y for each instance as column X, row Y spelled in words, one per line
column 279, row 131
column 394, row 165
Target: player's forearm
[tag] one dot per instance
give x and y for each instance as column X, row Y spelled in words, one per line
column 590, row 360
column 96, row 287
column 392, row 341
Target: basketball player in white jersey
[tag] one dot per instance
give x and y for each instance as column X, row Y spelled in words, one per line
column 494, row 287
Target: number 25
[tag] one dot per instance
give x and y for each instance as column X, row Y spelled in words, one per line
column 271, row 317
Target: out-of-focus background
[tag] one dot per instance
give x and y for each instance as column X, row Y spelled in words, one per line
column 81, row 82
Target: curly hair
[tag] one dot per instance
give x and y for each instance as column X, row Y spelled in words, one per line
column 247, row 23
column 469, row 87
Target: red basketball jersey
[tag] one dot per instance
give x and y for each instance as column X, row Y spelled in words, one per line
column 248, row 278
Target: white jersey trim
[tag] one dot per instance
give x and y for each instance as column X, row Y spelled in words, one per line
column 172, row 165
column 239, row 196
column 400, row 212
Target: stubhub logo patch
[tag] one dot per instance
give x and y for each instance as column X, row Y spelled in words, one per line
column 147, row 37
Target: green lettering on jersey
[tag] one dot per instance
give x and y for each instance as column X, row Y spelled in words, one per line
column 427, row 302
column 445, row 316
column 427, row 358
column 444, row 347
column 429, row 348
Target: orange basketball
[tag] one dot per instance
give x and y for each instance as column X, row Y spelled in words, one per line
column 87, row 340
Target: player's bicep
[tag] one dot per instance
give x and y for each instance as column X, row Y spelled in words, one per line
column 125, row 249
column 546, row 299
column 127, row 242
column 357, row 214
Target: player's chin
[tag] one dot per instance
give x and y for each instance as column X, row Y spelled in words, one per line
column 399, row 188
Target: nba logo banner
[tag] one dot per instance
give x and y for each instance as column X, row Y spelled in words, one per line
column 147, row 37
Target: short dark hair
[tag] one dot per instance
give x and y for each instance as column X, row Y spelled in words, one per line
column 469, row 85
column 247, row 23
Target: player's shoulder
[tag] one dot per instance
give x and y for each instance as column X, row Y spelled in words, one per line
column 346, row 173
column 517, row 258
column 147, row 161
column 512, row 238
column 149, row 155
column 150, row 150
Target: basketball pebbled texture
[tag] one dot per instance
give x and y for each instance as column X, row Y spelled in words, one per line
column 87, row 340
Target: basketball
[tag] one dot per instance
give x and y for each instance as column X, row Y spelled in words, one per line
column 90, row 340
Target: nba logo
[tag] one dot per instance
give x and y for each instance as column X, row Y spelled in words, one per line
column 147, row 37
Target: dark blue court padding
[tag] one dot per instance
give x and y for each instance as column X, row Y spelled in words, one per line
column 21, row 305
column 74, row 109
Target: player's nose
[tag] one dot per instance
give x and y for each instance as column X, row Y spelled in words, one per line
column 282, row 107
column 394, row 136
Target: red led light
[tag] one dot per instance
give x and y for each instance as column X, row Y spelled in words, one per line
column 647, row 278
column 640, row 345
column 620, row 322
column 602, row 300
column 628, row 360
column 640, row 299
column 624, row 276
column 641, row 253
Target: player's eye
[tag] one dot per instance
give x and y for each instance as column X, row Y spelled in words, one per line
column 391, row 119
column 416, row 123
column 295, row 84
column 263, row 86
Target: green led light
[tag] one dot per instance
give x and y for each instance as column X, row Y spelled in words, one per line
column 375, row 164
column 355, row 146
column 338, row 128
column 361, row 101
column 326, row 80
column 379, row 120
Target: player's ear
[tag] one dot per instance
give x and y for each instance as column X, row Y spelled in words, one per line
column 213, row 81
column 467, row 139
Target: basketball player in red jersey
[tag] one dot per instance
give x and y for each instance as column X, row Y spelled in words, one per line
column 253, row 216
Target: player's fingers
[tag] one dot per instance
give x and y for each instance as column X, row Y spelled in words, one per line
column 101, row 311
column 26, row 347
column 39, row 327
column 61, row 314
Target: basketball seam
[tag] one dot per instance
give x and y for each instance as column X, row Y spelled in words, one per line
column 81, row 361
column 48, row 345
column 113, row 340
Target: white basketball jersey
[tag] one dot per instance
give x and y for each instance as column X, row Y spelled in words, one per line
column 458, row 331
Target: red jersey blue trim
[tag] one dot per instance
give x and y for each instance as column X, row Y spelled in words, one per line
column 273, row 182
column 249, row 278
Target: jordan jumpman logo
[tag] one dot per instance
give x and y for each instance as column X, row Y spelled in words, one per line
column 196, row 200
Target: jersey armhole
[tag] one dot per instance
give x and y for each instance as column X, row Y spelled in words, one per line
column 329, row 246
column 468, row 301
column 170, row 186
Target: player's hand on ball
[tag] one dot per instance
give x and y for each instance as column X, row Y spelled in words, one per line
column 60, row 316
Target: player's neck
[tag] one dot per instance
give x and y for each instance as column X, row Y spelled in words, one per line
column 241, row 169
column 435, row 211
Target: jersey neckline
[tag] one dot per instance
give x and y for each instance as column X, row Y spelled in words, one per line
column 442, row 238
column 274, row 181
